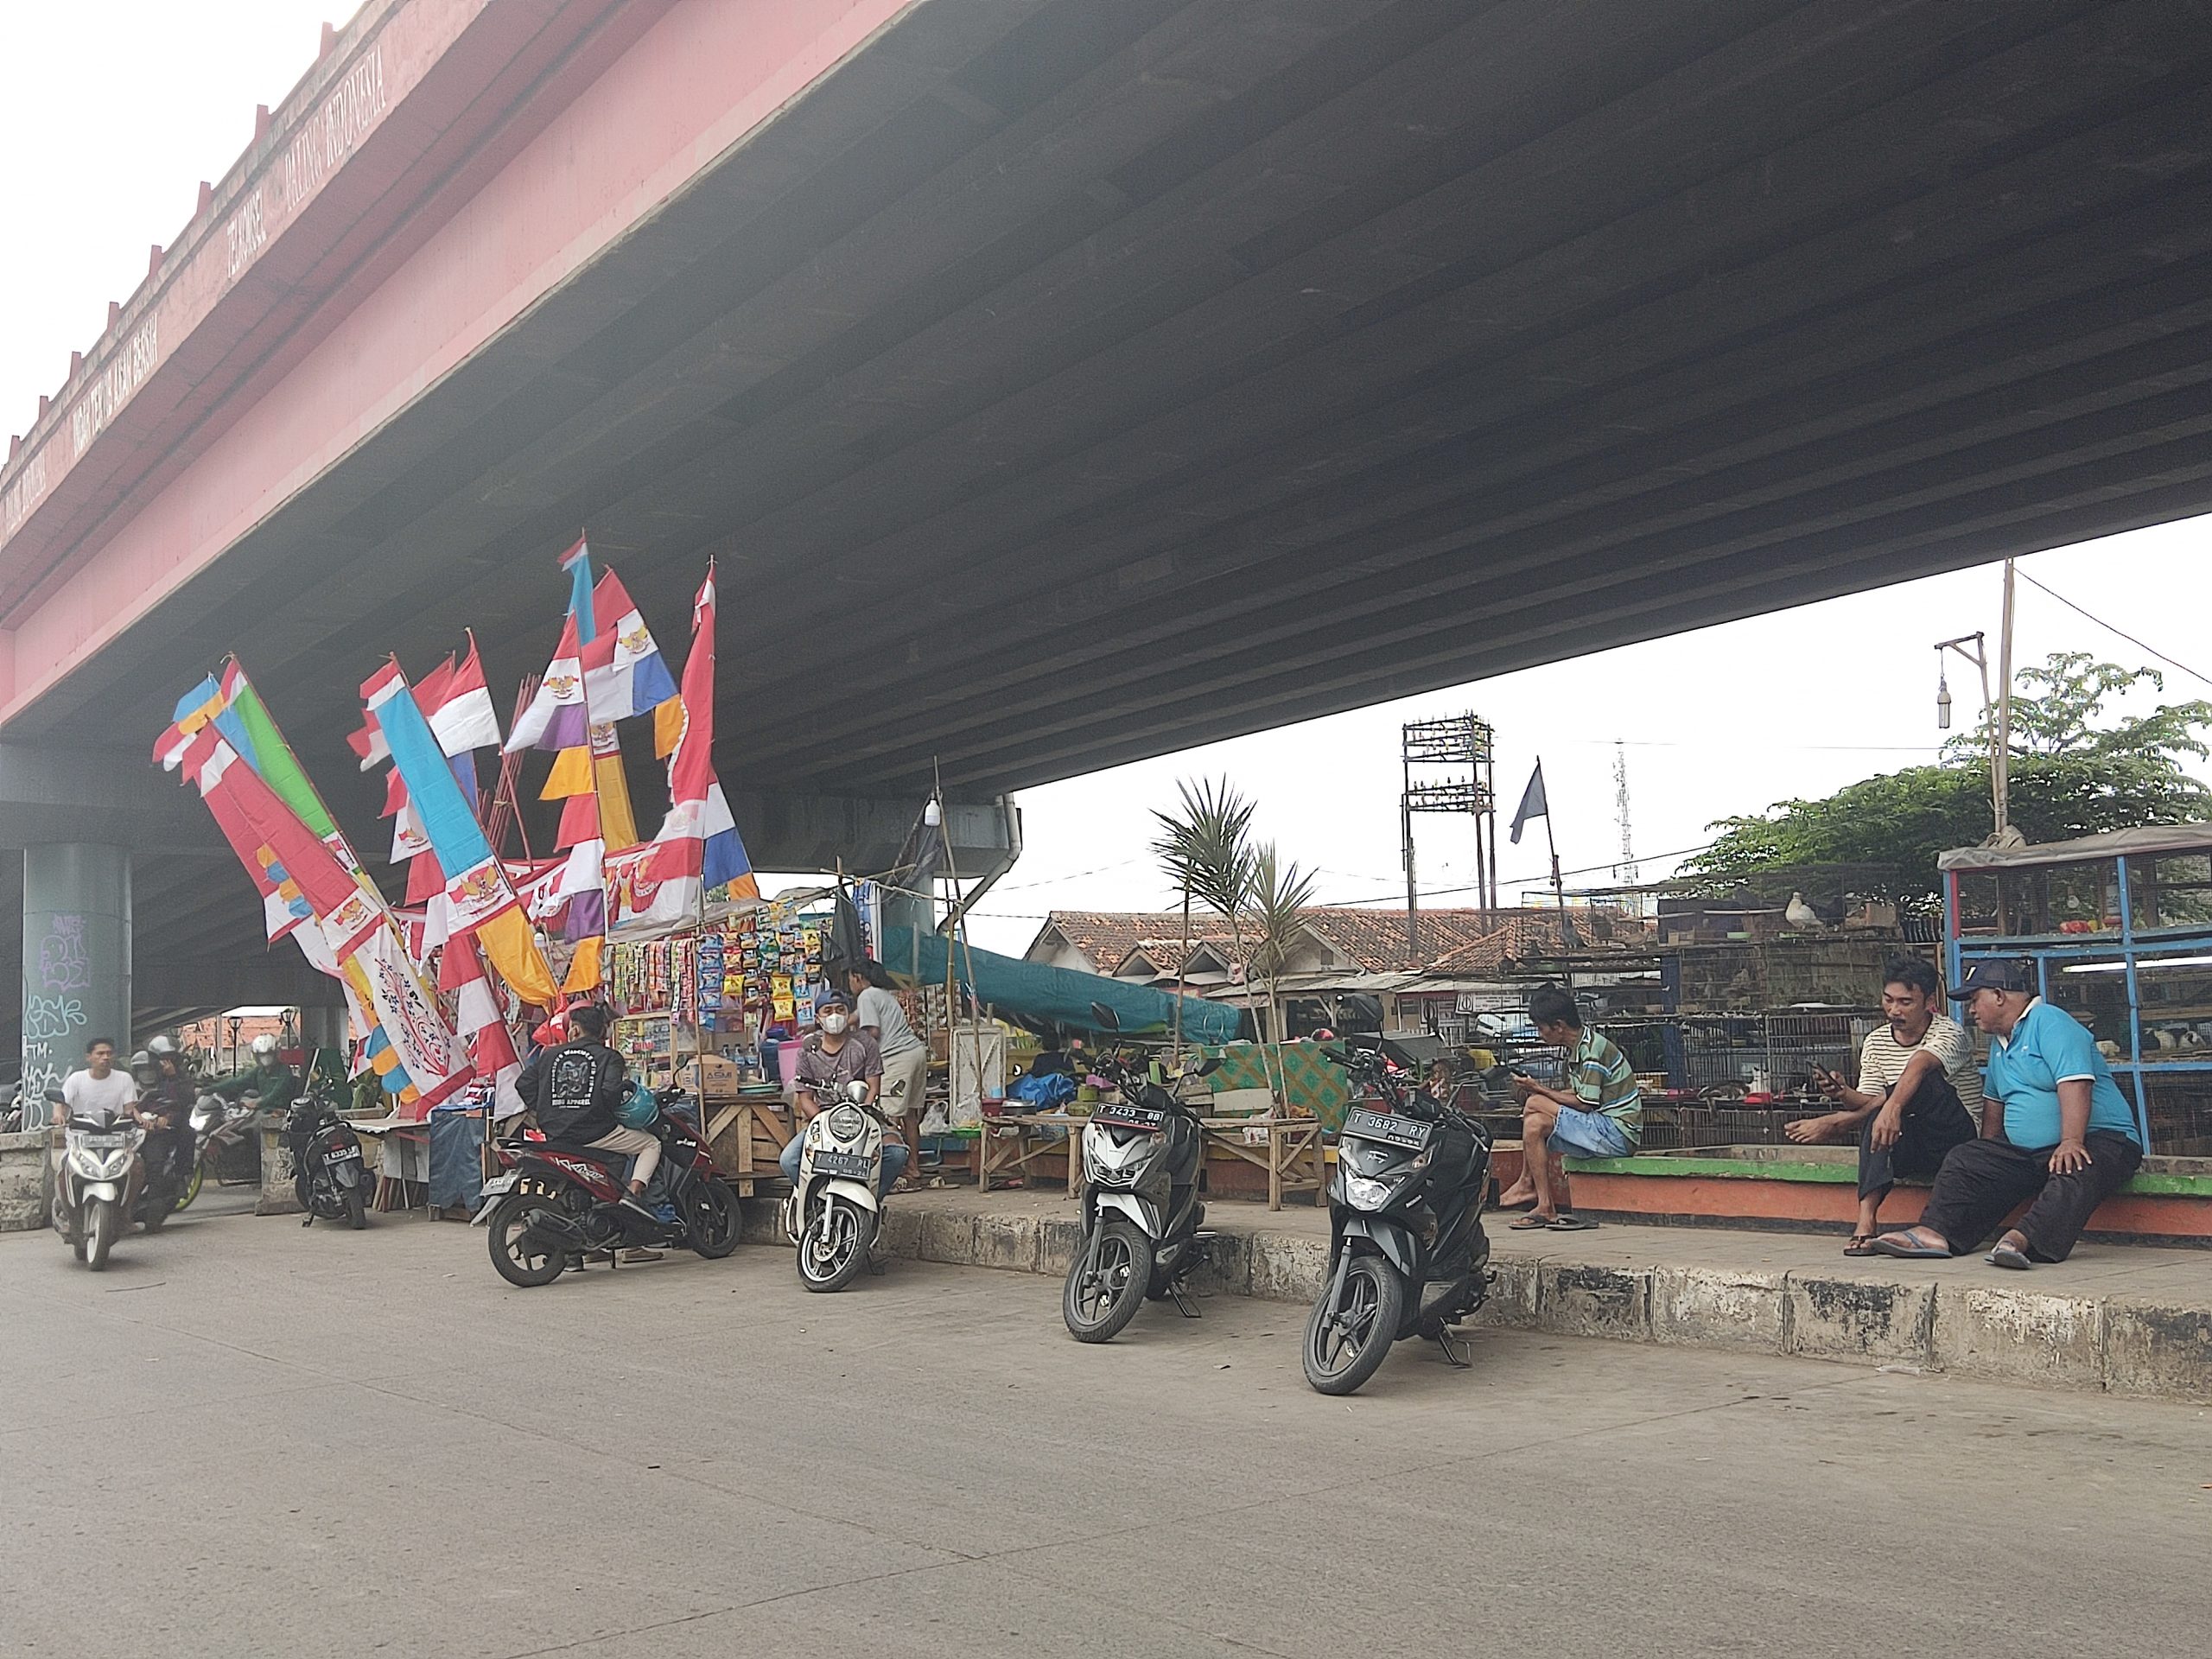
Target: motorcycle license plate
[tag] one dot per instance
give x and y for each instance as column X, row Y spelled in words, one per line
column 105, row 1142
column 1388, row 1126
column 1120, row 1115
column 844, row 1163
column 345, row 1153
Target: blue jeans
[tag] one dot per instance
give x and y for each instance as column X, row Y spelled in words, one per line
column 1578, row 1133
column 894, row 1162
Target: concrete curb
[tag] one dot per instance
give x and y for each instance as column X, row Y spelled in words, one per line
column 1998, row 1332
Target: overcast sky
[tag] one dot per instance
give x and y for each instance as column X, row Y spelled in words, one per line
column 1723, row 722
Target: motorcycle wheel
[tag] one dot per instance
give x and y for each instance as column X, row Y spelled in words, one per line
column 520, row 1259
column 1098, row 1306
column 102, row 1224
column 357, row 1209
column 712, row 1219
column 1342, row 1350
column 192, row 1187
column 833, row 1248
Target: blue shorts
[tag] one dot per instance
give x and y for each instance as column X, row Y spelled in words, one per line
column 1578, row 1133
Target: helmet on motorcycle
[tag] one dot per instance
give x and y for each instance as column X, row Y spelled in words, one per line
column 162, row 1046
column 265, row 1047
column 143, row 1071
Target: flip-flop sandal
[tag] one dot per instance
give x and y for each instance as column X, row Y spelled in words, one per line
column 1861, row 1244
column 1574, row 1224
column 1531, row 1223
column 2005, row 1256
column 1905, row 1247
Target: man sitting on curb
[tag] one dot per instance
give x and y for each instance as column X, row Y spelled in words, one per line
column 1919, row 1093
column 2056, row 1128
column 1598, row 1114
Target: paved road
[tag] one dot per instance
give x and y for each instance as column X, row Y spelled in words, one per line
column 320, row 1442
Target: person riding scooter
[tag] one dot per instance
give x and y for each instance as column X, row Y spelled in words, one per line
column 838, row 1054
column 166, row 1094
column 268, row 1077
column 577, row 1089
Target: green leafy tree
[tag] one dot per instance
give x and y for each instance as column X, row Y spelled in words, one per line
column 2074, row 772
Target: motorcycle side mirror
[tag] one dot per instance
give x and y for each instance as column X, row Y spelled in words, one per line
column 856, row 1091
column 54, row 1096
column 1211, row 1064
column 1105, row 1017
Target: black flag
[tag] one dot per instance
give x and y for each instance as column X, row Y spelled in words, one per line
column 1533, row 804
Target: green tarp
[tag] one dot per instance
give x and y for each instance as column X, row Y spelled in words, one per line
column 1040, row 996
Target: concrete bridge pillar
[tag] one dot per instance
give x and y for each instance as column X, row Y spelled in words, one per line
column 76, row 956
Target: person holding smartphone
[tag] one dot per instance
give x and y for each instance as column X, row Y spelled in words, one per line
column 1598, row 1114
column 1919, row 1095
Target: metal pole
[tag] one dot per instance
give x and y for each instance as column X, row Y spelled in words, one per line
column 1412, row 898
column 2002, row 761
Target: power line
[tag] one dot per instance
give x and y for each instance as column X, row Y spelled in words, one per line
column 2109, row 628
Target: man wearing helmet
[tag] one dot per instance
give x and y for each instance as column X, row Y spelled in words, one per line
column 268, row 1077
column 165, row 1098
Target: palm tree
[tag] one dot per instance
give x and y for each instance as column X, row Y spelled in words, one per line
column 1205, row 851
column 1280, row 891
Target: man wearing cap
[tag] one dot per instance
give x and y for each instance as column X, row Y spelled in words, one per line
column 2055, row 1130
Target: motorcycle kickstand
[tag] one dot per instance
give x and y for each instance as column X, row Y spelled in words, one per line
column 1182, row 1302
column 1452, row 1356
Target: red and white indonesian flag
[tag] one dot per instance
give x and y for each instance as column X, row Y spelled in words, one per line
column 627, row 677
column 482, row 1022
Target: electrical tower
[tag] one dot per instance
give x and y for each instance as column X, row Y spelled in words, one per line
column 1626, row 872
column 1453, row 758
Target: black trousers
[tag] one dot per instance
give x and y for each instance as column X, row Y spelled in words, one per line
column 1936, row 1119
column 1981, row 1181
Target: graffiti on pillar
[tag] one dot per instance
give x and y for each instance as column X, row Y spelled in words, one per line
column 55, row 1020
column 62, row 963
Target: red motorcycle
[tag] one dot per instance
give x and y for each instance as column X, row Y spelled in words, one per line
column 557, row 1204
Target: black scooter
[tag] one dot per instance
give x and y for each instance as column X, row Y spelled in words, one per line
column 328, row 1174
column 1405, row 1214
column 1140, row 1211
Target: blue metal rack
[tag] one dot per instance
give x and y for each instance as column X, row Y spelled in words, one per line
column 2127, row 952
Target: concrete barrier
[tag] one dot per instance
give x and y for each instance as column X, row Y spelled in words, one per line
column 24, row 1189
column 2000, row 1332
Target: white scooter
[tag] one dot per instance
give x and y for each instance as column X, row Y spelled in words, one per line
column 101, row 1174
column 833, row 1214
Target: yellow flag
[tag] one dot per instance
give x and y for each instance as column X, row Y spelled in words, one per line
column 668, row 725
column 511, row 949
column 571, row 775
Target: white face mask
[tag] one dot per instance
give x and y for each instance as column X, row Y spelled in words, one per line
column 833, row 1023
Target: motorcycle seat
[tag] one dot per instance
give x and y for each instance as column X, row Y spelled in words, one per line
column 597, row 1154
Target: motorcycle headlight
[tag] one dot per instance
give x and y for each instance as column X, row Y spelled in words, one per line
column 1121, row 1164
column 1361, row 1193
column 846, row 1122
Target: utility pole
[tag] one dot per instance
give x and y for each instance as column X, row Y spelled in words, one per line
column 1996, row 711
column 1460, row 747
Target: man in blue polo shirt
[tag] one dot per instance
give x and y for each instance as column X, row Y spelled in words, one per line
column 2055, row 1128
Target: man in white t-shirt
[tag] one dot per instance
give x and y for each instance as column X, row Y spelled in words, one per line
column 906, row 1062
column 1918, row 1096
column 99, row 1091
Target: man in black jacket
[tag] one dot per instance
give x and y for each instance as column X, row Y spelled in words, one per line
column 577, row 1090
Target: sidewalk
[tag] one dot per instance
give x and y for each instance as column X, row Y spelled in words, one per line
column 2129, row 1320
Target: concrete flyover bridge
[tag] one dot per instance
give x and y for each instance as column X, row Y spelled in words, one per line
column 1060, row 382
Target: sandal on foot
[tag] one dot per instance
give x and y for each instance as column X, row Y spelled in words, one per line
column 1861, row 1244
column 1531, row 1223
column 1572, row 1223
column 2006, row 1255
column 1907, row 1248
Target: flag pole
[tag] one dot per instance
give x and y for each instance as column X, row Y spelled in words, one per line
column 1559, row 888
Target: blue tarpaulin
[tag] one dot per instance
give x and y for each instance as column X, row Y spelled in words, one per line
column 1040, row 997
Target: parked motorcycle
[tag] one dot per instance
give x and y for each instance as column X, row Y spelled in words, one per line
column 1405, row 1214
column 834, row 1214
column 101, row 1180
column 227, row 1146
column 1141, row 1153
column 557, row 1205
column 328, row 1173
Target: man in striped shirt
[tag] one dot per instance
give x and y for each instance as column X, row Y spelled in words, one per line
column 1598, row 1114
column 1919, row 1095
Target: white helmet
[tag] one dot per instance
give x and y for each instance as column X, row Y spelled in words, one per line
column 265, row 1047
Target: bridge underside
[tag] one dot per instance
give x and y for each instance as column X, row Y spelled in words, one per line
column 1062, row 384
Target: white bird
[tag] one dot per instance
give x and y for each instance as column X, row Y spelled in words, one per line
column 1802, row 916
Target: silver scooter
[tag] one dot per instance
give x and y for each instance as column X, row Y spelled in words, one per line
column 99, row 1183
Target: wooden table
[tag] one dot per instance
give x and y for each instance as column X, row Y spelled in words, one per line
column 1289, row 1150
column 1006, row 1155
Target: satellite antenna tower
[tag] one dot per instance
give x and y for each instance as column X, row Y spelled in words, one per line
column 1626, row 871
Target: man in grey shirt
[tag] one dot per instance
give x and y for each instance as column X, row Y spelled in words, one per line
column 906, row 1062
